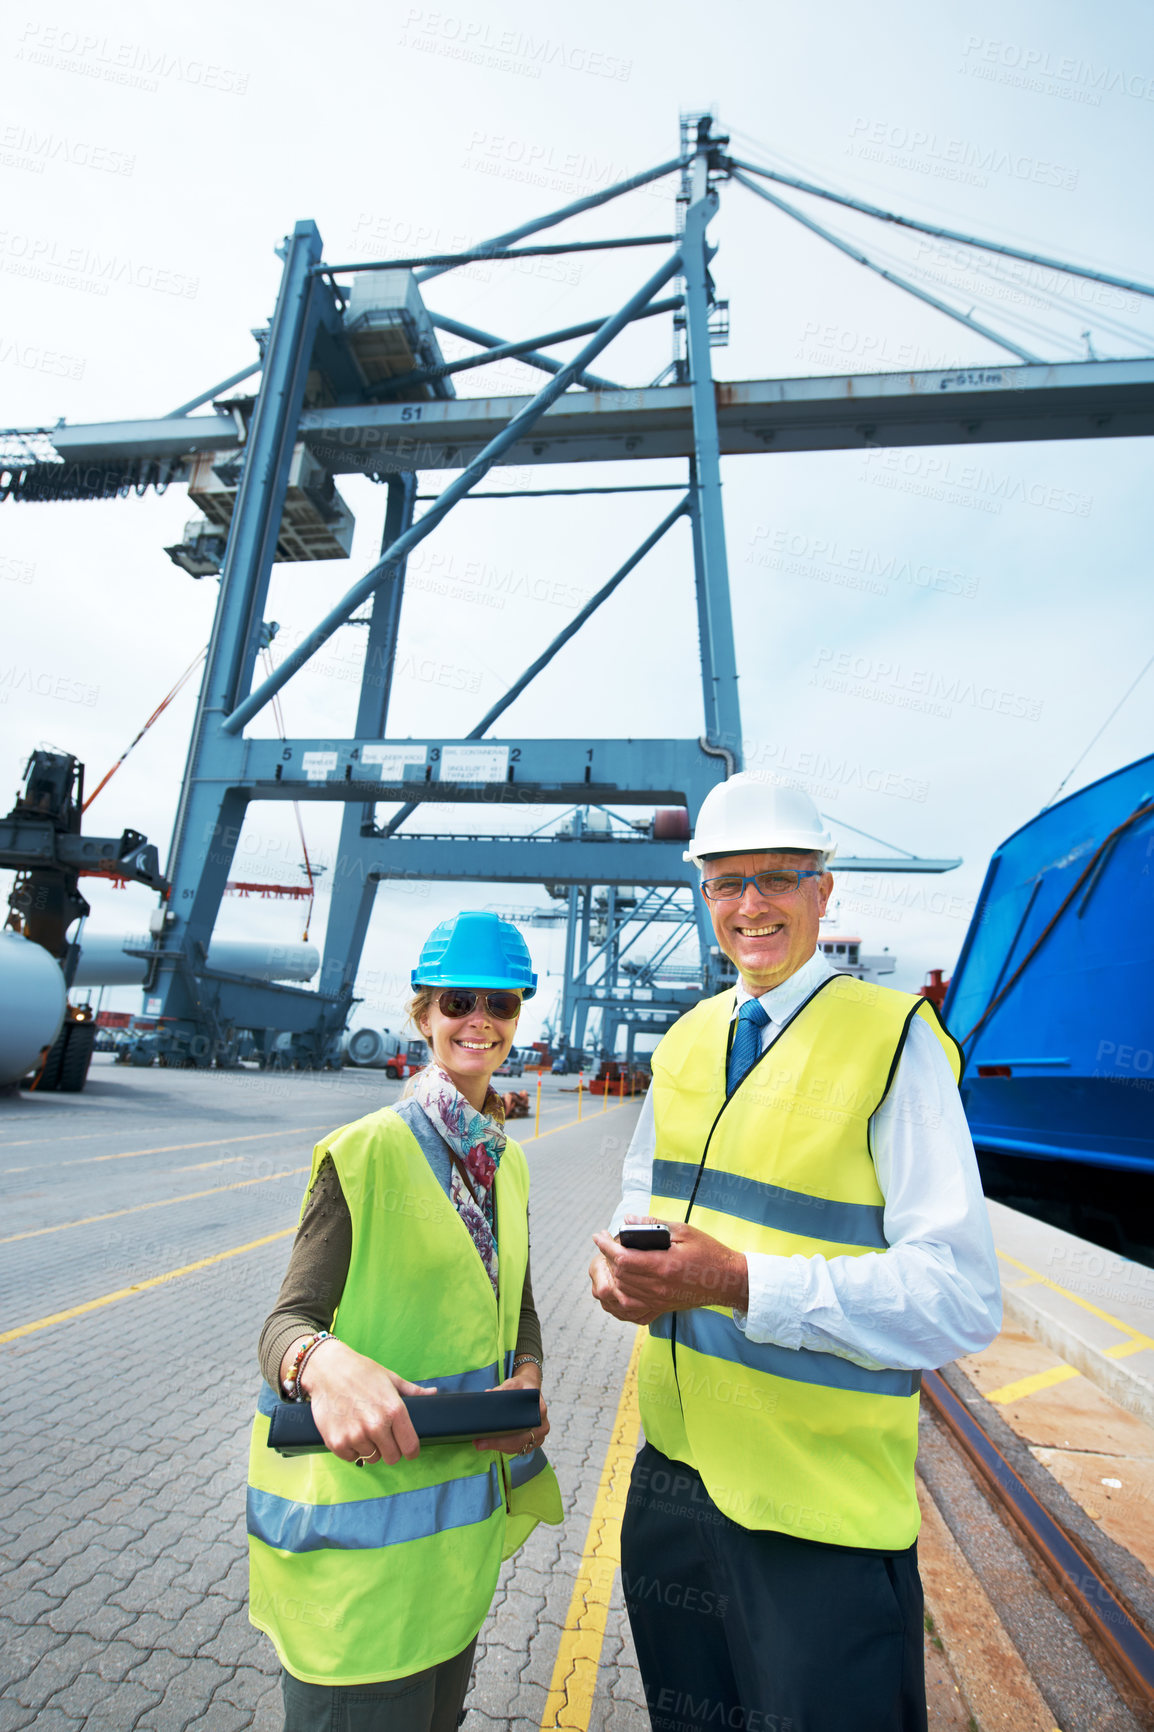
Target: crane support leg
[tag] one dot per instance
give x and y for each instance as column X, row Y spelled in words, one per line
column 352, row 906
column 715, row 620
column 213, row 802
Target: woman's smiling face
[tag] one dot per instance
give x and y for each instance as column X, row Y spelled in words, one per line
column 468, row 1048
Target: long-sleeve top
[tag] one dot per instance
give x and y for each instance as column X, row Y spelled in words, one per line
column 934, row 1292
column 319, row 1262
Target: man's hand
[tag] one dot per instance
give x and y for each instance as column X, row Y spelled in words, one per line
column 610, row 1297
column 637, row 1286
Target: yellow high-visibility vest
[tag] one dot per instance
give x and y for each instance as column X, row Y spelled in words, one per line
column 803, row 1442
column 365, row 1574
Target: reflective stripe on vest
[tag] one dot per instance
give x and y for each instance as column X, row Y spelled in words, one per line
column 373, row 1521
column 799, row 1441
column 773, row 1206
column 715, row 1333
column 523, row 1468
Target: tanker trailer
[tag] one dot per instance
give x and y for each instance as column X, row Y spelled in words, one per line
column 41, row 841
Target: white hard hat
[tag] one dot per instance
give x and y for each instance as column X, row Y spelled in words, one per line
column 748, row 815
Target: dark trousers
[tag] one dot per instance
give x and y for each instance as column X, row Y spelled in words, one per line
column 752, row 1631
column 428, row 1701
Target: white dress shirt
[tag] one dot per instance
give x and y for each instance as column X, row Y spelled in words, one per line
column 933, row 1293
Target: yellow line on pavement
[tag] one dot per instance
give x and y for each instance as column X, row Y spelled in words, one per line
column 72, row 1137
column 160, row 1203
column 253, row 1245
column 210, row 1143
column 1030, row 1385
column 1136, row 1335
column 567, row 1126
column 1123, row 1349
column 140, row 1287
column 570, row 1700
column 217, row 1142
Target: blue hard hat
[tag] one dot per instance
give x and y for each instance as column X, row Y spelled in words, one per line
column 480, row 950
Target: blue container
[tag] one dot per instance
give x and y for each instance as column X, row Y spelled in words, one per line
column 1062, row 938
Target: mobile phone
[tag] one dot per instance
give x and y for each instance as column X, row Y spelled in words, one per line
column 644, row 1238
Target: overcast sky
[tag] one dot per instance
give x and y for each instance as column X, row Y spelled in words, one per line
column 929, row 640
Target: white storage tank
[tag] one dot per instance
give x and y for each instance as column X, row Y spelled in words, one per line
column 370, row 1048
column 104, row 959
column 32, row 999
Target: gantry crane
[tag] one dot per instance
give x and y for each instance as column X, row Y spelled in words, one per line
column 353, row 381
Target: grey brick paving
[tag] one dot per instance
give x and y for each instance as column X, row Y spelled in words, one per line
column 159, row 1667
column 86, row 1695
column 121, row 1513
column 221, row 1717
column 13, row 1717
column 22, row 1650
column 53, row 1719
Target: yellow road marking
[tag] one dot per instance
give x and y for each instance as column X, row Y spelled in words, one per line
column 209, row 1143
column 1030, row 1385
column 1123, row 1349
column 1136, row 1336
column 203, row 1166
column 570, row 1700
column 160, row 1203
column 567, row 1126
column 220, row 1257
column 140, row 1287
column 73, row 1137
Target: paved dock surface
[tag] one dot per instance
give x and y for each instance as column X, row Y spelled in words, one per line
column 145, row 1228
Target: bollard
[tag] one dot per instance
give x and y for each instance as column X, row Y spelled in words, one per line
column 580, row 1086
column 537, row 1130
column 605, row 1091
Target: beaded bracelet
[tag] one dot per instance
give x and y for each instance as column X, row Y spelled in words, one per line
column 323, row 1335
column 291, row 1383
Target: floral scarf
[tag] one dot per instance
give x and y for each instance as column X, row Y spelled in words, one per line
column 478, row 1140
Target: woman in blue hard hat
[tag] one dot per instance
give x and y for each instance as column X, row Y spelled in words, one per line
column 373, row 1565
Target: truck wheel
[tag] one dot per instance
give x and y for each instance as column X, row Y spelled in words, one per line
column 49, row 1078
column 77, row 1056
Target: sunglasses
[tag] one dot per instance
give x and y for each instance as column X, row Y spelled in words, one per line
column 458, row 1001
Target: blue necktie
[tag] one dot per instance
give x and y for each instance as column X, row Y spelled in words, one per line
column 746, row 1048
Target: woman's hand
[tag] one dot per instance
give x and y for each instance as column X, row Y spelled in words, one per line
column 513, row 1442
column 357, row 1405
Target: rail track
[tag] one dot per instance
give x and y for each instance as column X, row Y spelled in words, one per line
column 1082, row 1572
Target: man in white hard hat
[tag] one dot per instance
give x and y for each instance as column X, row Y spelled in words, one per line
column 805, row 1144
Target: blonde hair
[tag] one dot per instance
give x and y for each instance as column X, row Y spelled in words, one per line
column 422, row 998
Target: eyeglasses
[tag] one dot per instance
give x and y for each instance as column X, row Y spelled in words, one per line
column 458, row 1001
column 732, row 884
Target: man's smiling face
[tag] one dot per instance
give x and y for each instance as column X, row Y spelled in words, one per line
column 768, row 938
